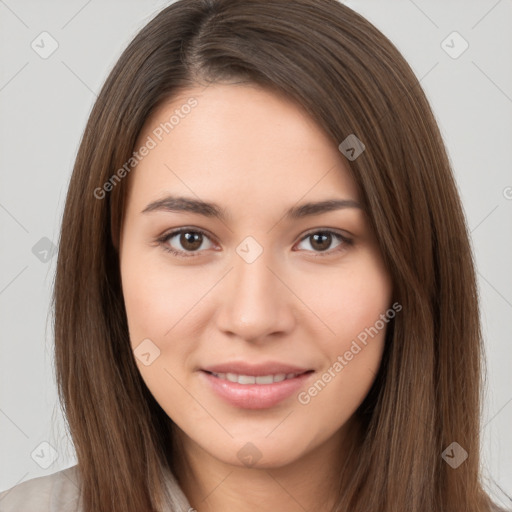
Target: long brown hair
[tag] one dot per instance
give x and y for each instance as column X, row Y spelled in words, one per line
column 352, row 80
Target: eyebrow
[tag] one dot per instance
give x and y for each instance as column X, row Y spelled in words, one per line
column 213, row 210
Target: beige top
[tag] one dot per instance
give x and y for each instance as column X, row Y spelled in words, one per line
column 60, row 492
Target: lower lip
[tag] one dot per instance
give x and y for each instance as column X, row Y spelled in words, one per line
column 255, row 396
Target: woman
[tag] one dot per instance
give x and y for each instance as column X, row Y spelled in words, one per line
column 265, row 295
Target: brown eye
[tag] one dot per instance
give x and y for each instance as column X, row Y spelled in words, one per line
column 321, row 241
column 184, row 242
column 191, row 241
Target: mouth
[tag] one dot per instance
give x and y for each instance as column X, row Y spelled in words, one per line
column 255, row 391
column 256, row 379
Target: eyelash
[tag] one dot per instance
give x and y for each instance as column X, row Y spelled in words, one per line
column 183, row 254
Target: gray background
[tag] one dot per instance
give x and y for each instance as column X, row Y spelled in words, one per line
column 44, row 104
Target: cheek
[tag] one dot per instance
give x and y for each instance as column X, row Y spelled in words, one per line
column 353, row 301
column 356, row 308
column 162, row 307
column 157, row 300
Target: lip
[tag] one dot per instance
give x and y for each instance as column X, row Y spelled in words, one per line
column 243, row 368
column 255, row 396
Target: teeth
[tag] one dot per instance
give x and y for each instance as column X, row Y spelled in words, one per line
column 251, row 379
column 264, row 379
column 245, row 379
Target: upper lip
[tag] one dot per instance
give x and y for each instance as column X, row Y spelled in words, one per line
column 243, row 368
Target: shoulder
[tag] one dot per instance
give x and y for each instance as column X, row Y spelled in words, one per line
column 58, row 492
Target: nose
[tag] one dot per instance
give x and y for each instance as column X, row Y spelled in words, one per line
column 255, row 301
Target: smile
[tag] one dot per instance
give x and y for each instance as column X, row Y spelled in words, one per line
column 251, row 379
column 255, row 391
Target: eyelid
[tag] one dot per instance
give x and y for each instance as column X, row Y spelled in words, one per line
column 339, row 232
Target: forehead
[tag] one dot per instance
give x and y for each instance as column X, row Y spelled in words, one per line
column 238, row 141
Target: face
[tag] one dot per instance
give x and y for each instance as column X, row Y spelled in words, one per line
column 257, row 323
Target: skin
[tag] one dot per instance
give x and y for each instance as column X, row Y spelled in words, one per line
column 255, row 153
